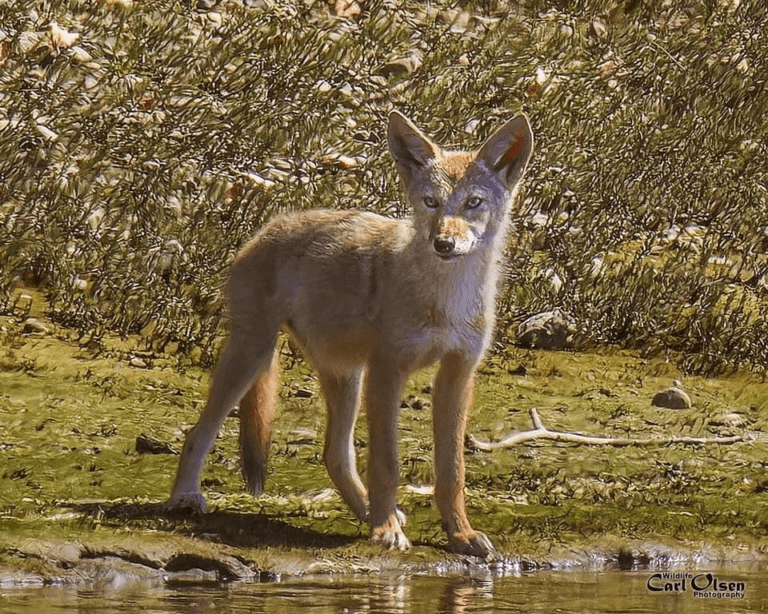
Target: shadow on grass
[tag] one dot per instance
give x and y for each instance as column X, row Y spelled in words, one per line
column 226, row 527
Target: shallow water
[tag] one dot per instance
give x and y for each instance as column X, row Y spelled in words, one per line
column 542, row 591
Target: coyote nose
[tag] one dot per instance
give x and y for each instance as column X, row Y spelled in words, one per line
column 444, row 245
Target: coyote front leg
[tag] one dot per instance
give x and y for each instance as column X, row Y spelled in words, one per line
column 452, row 398
column 384, row 385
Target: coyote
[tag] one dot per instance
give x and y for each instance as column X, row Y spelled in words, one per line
column 371, row 299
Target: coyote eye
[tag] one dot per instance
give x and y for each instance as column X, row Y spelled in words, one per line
column 430, row 202
column 474, row 202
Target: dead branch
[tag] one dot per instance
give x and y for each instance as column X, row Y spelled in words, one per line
column 541, row 432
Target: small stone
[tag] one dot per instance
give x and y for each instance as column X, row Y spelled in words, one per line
column 673, row 397
column 599, row 28
column 46, row 133
column 549, row 330
column 731, row 419
column 414, row 402
column 401, row 66
column 33, row 325
column 80, row 54
column 215, row 18
column 520, row 369
column 146, row 444
column 137, row 362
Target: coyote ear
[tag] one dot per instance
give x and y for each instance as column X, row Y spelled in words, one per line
column 508, row 150
column 409, row 146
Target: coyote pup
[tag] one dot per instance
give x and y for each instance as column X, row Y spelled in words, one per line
column 371, row 299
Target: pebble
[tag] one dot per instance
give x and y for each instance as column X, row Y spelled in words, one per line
column 549, row 330
column 33, row 325
column 146, row 444
column 137, row 362
column 673, row 397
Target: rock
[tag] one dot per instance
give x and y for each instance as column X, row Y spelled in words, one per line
column 600, row 28
column 732, row 419
column 520, row 369
column 337, row 160
column 401, row 66
column 549, row 330
column 224, row 566
column 673, row 397
column 414, row 402
column 302, row 437
column 33, row 325
column 137, row 362
column 303, row 393
column 146, row 444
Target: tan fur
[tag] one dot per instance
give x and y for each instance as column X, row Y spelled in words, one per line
column 453, row 227
column 371, row 299
column 455, row 163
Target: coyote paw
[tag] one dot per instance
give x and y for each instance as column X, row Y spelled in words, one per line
column 390, row 539
column 401, row 517
column 194, row 501
column 476, row 544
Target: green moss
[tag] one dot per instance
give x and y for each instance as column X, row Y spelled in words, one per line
column 73, row 474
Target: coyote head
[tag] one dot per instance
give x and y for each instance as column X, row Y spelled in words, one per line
column 460, row 199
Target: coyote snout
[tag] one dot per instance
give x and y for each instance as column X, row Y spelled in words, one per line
column 369, row 302
column 453, row 238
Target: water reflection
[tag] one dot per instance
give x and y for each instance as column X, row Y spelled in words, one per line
column 538, row 592
column 461, row 596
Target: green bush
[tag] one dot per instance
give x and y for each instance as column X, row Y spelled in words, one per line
column 136, row 160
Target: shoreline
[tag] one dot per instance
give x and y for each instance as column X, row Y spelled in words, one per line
column 72, row 563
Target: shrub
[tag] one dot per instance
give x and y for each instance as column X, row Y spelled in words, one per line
column 142, row 143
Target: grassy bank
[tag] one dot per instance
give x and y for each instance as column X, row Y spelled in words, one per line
column 74, row 473
column 141, row 143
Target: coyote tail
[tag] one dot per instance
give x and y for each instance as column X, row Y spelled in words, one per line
column 257, row 411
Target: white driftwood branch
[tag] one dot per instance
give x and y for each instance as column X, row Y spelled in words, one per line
column 541, row 432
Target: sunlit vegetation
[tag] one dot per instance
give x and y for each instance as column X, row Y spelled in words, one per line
column 142, row 143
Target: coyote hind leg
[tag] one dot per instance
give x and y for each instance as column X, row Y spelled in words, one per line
column 342, row 395
column 257, row 411
column 246, row 357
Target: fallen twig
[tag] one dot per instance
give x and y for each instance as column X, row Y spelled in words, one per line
column 541, row 432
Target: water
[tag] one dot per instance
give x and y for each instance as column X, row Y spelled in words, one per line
column 550, row 592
